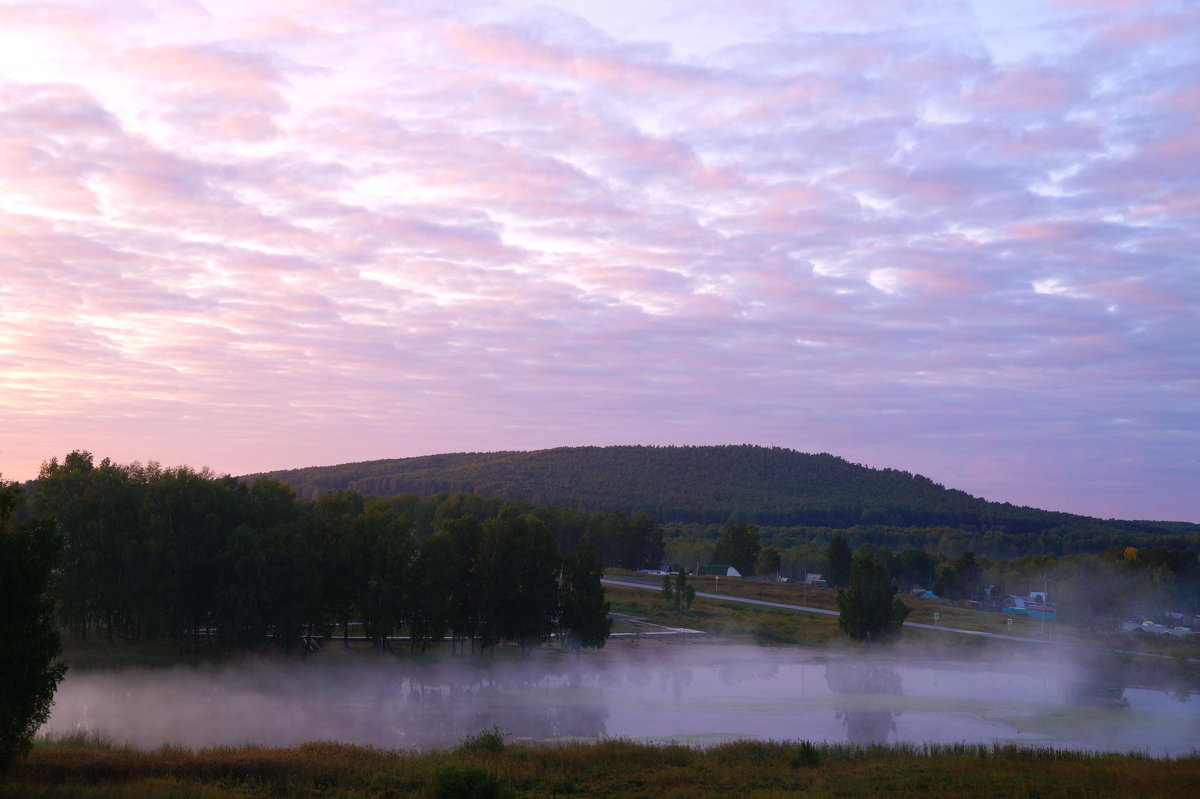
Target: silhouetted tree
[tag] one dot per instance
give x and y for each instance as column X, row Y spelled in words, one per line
column 583, row 616
column 689, row 596
column 518, row 568
column 463, row 602
column 914, row 567
column 768, row 561
column 838, row 560
column 870, row 609
column 738, row 546
column 642, row 543
column 336, row 518
column 29, row 643
column 959, row 579
column 382, row 601
column 432, row 586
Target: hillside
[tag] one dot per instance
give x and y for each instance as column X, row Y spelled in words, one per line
column 705, row 485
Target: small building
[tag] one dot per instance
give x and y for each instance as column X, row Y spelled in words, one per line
column 720, row 570
column 1037, row 604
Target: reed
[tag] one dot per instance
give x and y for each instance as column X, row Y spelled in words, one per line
column 90, row 767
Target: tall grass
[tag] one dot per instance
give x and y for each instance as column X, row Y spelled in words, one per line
column 89, row 766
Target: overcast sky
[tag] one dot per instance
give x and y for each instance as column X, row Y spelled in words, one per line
column 957, row 238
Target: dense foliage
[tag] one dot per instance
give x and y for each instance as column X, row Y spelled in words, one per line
column 29, row 641
column 584, row 609
column 150, row 552
column 870, row 610
column 838, row 562
column 738, row 546
column 767, row 486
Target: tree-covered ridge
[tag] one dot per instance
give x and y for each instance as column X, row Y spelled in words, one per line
column 705, row 485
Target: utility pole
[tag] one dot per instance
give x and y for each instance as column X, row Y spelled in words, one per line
column 1045, row 597
column 805, row 577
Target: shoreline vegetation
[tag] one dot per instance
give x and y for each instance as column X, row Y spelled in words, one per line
column 642, row 617
column 484, row 765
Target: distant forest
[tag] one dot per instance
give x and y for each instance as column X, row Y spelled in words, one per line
column 791, row 495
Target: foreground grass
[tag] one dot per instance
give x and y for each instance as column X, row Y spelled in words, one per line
column 485, row 766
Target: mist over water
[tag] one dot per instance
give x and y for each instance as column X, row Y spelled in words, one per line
column 691, row 694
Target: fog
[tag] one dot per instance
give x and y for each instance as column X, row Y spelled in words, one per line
column 694, row 694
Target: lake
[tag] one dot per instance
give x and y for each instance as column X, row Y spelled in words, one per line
column 692, row 694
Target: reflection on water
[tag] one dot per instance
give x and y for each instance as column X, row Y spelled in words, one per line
column 864, row 725
column 698, row 695
column 677, row 678
column 1099, row 682
column 377, row 704
column 734, row 673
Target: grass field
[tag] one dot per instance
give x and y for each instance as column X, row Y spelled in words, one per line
column 484, row 766
column 767, row 625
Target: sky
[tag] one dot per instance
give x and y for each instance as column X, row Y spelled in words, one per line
column 952, row 237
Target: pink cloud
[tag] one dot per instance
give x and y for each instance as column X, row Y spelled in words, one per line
column 618, row 71
column 238, row 73
column 1024, row 88
column 365, row 231
column 1049, row 231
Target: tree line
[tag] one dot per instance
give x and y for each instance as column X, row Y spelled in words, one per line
column 692, row 544
column 1095, row 592
column 151, row 552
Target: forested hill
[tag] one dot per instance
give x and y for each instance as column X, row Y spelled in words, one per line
column 765, row 485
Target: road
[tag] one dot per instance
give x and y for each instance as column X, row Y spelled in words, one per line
column 804, row 608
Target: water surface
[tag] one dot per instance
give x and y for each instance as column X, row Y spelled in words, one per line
column 696, row 694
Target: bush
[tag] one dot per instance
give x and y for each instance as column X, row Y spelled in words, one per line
column 804, row 754
column 467, row 782
column 490, row 741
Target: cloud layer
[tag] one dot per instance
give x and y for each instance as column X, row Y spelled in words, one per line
column 927, row 235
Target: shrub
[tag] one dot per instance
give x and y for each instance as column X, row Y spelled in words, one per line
column 467, row 782
column 489, row 741
column 804, row 754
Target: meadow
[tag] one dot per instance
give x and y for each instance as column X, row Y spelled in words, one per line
column 484, row 766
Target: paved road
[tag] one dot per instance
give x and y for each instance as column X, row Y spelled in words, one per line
column 805, row 608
